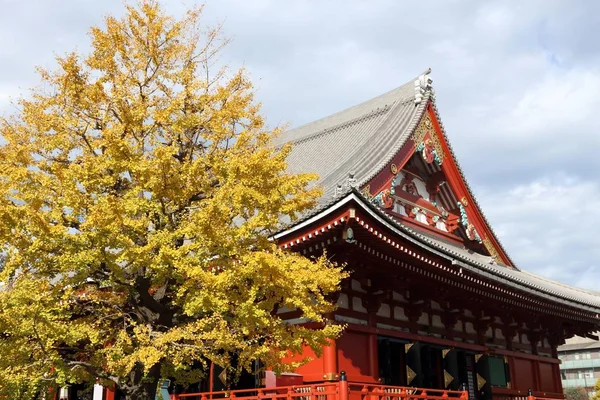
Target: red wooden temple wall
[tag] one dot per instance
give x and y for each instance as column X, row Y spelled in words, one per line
column 353, row 355
column 530, row 366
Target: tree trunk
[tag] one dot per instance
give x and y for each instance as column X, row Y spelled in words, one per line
column 140, row 386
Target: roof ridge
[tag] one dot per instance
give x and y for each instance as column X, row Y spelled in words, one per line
column 411, row 128
column 405, row 92
column 578, row 289
column 392, row 150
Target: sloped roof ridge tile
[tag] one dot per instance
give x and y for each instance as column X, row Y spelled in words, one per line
column 402, row 93
column 409, row 130
column 553, row 282
column 373, row 113
column 464, row 178
column 397, row 116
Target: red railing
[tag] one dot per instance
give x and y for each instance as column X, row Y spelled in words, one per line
column 359, row 391
column 514, row 394
column 344, row 390
column 321, row 391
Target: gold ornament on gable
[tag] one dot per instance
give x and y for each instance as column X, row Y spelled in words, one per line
column 424, row 128
column 487, row 243
column 367, row 192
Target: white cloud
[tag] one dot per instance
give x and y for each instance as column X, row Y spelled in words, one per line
column 549, row 226
column 558, row 102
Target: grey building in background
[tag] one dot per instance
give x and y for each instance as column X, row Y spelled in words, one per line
column 580, row 362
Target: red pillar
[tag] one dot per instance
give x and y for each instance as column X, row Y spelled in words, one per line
column 373, row 356
column 373, row 350
column 330, row 361
column 110, row 394
column 344, row 389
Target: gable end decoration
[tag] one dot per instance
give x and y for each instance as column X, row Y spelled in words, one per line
column 469, row 227
column 427, row 142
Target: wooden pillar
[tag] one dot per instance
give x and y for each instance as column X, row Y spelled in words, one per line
column 330, row 366
column 511, row 371
column 413, row 312
column 110, row 394
column 481, row 327
column 509, row 333
column 373, row 349
column 534, row 338
column 373, row 304
column 537, row 379
column 344, row 390
column 449, row 319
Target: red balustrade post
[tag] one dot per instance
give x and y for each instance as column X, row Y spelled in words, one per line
column 364, row 392
column 204, row 396
column 403, row 393
column 109, row 394
column 289, row 393
column 343, row 386
column 530, row 395
column 174, row 397
column 330, row 360
column 465, row 394
column 378, row 393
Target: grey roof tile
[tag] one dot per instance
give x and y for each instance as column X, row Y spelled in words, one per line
column 358, row 140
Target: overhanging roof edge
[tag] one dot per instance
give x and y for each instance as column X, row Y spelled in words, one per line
column 411, row 236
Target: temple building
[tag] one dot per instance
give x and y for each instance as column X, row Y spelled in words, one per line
column 434, row 301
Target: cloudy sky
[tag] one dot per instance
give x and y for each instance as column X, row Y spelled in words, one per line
column 517, row 83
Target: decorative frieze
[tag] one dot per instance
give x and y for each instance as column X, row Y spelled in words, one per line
column 464, row 219
column 427, row 142
column 399, row 314
column 342, row 301
column 384, row 311
column 357, row 305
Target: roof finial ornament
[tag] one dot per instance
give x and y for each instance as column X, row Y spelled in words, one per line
column 351, row 180
column 422, row 84
column 338, row 190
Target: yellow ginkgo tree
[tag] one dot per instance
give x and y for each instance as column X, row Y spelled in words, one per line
column 138, row 192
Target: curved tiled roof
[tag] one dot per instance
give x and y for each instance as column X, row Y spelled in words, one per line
column 361, row 140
